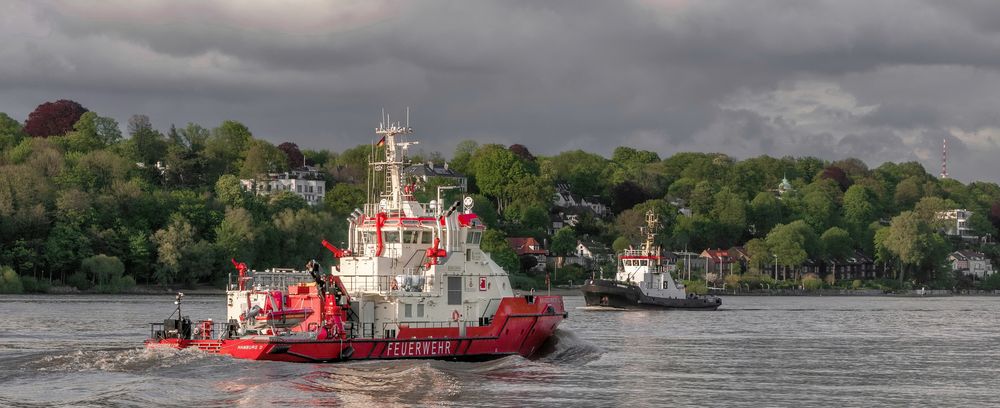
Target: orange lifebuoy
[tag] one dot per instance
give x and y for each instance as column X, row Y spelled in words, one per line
column 455, row 316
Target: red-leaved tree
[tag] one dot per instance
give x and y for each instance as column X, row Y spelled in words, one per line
column 295, row 158
column 53, row 118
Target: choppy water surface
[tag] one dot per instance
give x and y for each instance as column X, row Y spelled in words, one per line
column 756, row 351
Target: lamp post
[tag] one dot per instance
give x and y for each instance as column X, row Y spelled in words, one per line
column 775, row 266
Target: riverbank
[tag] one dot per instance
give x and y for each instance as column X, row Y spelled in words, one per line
column 853, row 292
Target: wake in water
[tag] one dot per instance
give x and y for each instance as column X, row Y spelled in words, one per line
column 564, row 347
column 120, row 360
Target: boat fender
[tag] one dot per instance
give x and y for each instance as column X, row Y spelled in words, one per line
column 455, row 315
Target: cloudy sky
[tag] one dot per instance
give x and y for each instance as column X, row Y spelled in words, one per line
column 880, row 81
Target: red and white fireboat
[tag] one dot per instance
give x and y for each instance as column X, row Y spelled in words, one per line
column 412, row 283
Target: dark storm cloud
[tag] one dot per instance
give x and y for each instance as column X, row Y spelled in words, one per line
column 745, row 78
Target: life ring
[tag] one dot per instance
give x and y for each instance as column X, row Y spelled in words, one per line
column 455, row 316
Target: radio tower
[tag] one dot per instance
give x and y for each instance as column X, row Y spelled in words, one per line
column 944, row 158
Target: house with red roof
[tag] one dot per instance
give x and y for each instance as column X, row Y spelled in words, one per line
column 528, row 246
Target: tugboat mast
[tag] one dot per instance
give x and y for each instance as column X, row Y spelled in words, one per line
column 652, row 224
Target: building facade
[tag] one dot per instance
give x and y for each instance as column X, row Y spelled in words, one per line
column 306, row 182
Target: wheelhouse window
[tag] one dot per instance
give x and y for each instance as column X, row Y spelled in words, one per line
column 410, row 237
column 473, row 237
column 390, row 237
column 426, row 237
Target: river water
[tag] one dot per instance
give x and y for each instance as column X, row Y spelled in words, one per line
column 756, row 351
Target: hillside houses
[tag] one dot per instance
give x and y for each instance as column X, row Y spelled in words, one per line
column 423, row 172
column 306, row 182
column 971, row 263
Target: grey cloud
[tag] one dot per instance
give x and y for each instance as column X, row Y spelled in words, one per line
column 654, row 74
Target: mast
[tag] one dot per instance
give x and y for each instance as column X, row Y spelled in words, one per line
column 392, row 195
column 652, row 224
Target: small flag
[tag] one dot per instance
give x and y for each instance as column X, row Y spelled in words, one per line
column 381, row 142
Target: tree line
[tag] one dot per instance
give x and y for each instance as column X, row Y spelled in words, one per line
column 84, row 204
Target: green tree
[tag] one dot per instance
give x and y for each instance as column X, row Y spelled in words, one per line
column 182, row 257
column 262, row 158
column 236, row 234
column 760, row 255
column 792, row 243
column 102, row 269
column 620, row 244
column 837, row 243
column 10, row 282
column 913, row 241
column 564, row 242
column 230, row 192
column 11, row 132
column 860, row 209
column 461, row 159
column 764, row 213
column 343, row 198
column 495, row 244
column 497, row 170
column 145, row 144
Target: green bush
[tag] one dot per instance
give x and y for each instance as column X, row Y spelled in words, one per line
column 9, row 281
column 811, row 282
column 32, row 285
column 79, row 280
column 118, row 285
column 732, row 281
column 856, row 284
column 524, row 282
column 102, row 269
column 991, row 282
column 571, row 273
column 696, row 287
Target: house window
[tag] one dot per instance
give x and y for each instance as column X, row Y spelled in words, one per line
column 298, row 189
column 420, row 310
column 319, row 189
column 408, row 310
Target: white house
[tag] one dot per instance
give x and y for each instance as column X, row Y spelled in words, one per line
column 957, row 222
column 971, row 263
column 592, row 251
column 306, row 182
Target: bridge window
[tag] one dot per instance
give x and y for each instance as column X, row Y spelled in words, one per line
column 426, row 237
column 473, row 237
column 410, row 237
column 390, row 237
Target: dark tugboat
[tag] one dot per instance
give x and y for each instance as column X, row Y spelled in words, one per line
column 643, row 281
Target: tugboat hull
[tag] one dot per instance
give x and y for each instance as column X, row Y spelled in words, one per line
column 619, row 295
column 520, row 326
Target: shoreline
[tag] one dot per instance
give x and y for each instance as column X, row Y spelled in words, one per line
column 567, row 291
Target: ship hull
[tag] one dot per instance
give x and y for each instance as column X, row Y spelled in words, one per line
column 607, row 293
column 520, row 326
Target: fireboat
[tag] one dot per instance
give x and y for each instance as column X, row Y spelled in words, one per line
column 644, row 281
column 412, row 282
